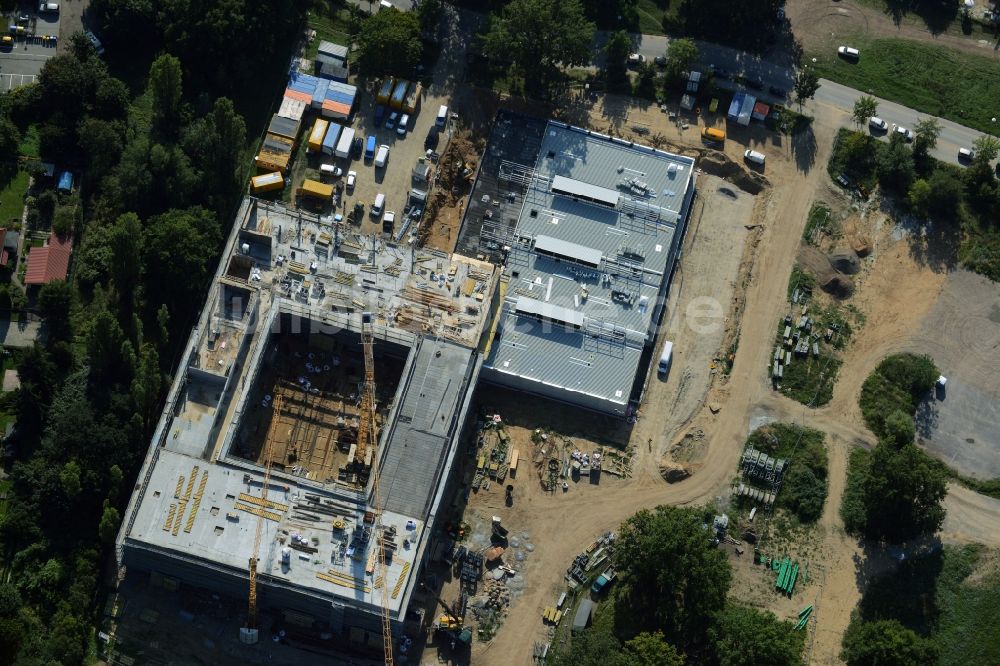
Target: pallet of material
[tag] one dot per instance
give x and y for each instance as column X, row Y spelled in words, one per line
column 257, row 511
column 259, row 501
column 343, row 582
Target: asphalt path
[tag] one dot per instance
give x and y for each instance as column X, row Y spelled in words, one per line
column 779, row 72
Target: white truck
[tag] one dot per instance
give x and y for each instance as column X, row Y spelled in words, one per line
column 344, row 143
column 381, row 156
column 666, row 356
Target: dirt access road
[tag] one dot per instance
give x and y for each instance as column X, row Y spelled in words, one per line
column 897, row 294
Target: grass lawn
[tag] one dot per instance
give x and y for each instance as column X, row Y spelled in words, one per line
column 29, row 142
column 819, row 223
column 12, row 197
column 332, row 27
column 651, row 15
column 810, row 379
column 932, row 79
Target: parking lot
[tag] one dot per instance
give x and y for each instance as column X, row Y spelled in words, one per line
column 35, row 42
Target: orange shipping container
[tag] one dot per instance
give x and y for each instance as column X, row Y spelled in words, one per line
column 317, row 134
column 314, row 188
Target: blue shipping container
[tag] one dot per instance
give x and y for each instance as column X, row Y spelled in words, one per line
column 330, row 140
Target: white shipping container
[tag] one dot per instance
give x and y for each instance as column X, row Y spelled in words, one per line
column 344, row 145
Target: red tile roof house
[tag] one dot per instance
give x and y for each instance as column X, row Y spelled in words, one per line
column 49, row 262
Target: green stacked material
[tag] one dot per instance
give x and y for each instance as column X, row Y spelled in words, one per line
column 804, row 616
column 790, row 583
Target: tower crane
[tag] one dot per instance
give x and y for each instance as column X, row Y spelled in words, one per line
column 364, row 458
column 249, row 633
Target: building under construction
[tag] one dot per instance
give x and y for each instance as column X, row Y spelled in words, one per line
column 308, row 438
column 272, row 389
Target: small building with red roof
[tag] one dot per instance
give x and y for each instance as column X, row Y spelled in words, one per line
column 49, row 262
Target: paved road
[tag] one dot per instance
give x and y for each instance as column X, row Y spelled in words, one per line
column 779, row 71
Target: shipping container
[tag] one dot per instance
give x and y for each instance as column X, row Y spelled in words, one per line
column 399, row 94
column 314, row 188
column 344, row 144
column 267, row 182
column 316, row 135
column 412, row 101
column 385, row 91
column 330, row 141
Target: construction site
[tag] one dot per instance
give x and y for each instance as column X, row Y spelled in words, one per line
column 306, row 450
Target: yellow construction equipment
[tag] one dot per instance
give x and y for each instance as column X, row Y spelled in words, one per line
column 249, row 633
column 367, row 442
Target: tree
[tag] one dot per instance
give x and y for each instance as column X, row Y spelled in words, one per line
column 147, row 387
column 617, row 50
column 112, row 99
column 104, row 345
column 900, row 428
column 165, row 84
column 108, row 528
column 903, row 493
column 69, row 479
column 744, row 636
column 939, row 197
column 805, row 86
column 748, row 25
column 650, row 649
column 126, row 257
column 178, row 279
column 885, row 643
column 429, row 14
column 987, row 148
column 102, row 143
column 927, row 131
column 864, row 109
column 806, row 493
column 675, row 598
column 535, row 37
column 681, row 54
column 389, row 43
column 611, row 13
column 55, row 303
column 894, row 165
column 10, row 136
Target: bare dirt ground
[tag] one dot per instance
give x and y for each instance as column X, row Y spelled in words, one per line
column 818, row 23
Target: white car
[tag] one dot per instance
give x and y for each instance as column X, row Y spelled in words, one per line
column 877, row 123
column 966, row 154
column 903, row 132
column 403, row 125
column 49, row 7
column 636, row 59
column 754, row 156
column 352, row 178
column 849, row 52
column 95, row 41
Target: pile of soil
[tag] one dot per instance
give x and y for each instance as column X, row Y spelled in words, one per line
column 838, row 286
column 856, row 240
column 845, row 260
column 718, row 164
column 673, row 472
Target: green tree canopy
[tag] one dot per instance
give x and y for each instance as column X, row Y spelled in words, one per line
column 865, row 108
column 55, row 303
column 650, row 649
column 885, row 643
column 900, row 428
column 745, row 24
column 535, row 37
column 894, row 166
column 617, row 50
column 681, row 54
column 805, row 86
column 747, row 637
column 389, row 43
column 675, row 598
column 178, row 279
column 903, row 492
column 987, row 148
column 165, row 85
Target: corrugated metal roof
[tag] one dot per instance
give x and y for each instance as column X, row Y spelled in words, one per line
column 548, row 311
column 577, row 188
column 418, row 443
column 563, row 248
column 282, row 126
column 333, row 50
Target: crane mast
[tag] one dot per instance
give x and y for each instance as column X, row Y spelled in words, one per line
column 364, row 455
column 249, row 634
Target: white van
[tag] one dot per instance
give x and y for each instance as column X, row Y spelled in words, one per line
column 754, row 156
column 330, row 171
column 877, row 123
column 382, row 155
column 376, row 211
column 665, row 357
column 442, row 116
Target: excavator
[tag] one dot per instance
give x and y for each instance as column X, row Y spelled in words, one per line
column 449, row 624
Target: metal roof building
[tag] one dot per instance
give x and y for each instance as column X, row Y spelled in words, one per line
column 599, row 225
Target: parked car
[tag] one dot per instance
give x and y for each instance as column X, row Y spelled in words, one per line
column 778, row 92
column 403, row 124
column 849, row 52
column 379, row 115
column 391, row 120
column 754, row 156
column 754, row 82
column 330, row 171
column 903, row 132
column 636, row 59
column 352, row 178
column 660, row 61
column 95, row 41
column 431, row 141
column 357, row 146
column 721, row 73
column 877, row 123
column 48, row 7
column 966, row 154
